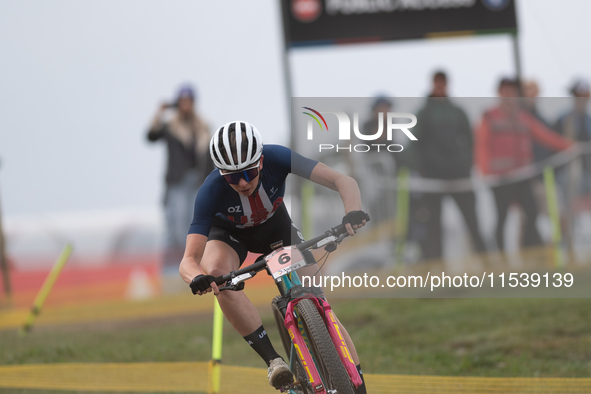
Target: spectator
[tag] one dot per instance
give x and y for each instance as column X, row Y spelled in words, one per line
column 575, row 178
column 576, row 126
column 378, row 162
column 531, row 92
column 379, row 109
column 503, row 145
column 445, row 151
column 187, row 138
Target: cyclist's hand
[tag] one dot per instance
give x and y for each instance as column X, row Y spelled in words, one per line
column 354, row 220
column 202, row 284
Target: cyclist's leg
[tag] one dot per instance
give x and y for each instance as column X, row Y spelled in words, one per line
column 219, row 259
column 230, row 244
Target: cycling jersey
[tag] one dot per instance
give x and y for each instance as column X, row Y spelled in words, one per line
column 217, row 199
column 277, row 231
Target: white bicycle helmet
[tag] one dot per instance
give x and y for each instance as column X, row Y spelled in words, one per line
column 231, row 150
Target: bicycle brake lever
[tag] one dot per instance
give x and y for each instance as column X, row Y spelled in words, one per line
column 237, row 287
column 331, row 247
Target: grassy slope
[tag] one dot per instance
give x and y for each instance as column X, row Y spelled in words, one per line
column 470, row 337
column 474, row 337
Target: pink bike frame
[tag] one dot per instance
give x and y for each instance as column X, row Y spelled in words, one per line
column 335, row 334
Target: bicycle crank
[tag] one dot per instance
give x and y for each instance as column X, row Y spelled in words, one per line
column 291, row 388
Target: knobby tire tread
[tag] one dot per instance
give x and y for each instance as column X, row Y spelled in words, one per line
column 323, row 348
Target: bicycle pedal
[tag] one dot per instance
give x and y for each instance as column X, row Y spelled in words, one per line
column 286, row 388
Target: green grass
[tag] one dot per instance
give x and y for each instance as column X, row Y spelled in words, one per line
column 453, row 337
column 473, row 337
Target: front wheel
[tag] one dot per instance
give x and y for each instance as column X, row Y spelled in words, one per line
column 329, row 364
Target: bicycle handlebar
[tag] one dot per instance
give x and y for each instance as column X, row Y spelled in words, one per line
column 257, row 266
column 336, row 231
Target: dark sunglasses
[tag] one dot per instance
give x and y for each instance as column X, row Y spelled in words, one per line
column 249, row 174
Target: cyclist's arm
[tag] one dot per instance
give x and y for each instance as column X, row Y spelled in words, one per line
column 345, row 185
column 189, row 267
column 203, row 214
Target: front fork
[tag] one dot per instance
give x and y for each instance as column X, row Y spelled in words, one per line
column 300, row 342
column 299, row 347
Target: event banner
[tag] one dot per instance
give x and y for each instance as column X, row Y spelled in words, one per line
column 329, row 22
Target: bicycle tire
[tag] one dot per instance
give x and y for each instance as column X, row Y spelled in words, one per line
column 332, row 369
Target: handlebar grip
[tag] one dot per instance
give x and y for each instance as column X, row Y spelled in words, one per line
column 338, row 230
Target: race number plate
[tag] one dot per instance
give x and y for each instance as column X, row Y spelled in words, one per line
column 285, row 260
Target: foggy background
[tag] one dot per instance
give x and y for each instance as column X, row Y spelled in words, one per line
column 80, row 82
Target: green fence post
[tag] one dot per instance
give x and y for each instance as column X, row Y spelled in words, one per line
column 554, row 214
column 402, row 208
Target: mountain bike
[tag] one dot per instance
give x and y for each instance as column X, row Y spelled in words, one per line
column 318, row 354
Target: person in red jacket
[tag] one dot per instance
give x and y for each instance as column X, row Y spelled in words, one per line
column 504, row 144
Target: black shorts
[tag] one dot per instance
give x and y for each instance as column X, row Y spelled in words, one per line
column 258, row 239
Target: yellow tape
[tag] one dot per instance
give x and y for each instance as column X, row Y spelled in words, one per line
column 192, row 377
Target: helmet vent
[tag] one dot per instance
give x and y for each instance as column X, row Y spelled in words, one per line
column 236, row 145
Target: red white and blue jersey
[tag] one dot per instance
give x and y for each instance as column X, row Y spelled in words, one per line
column 216, row 198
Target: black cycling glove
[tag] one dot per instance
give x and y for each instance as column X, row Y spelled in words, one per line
column 201, row 283
column 355, row 217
